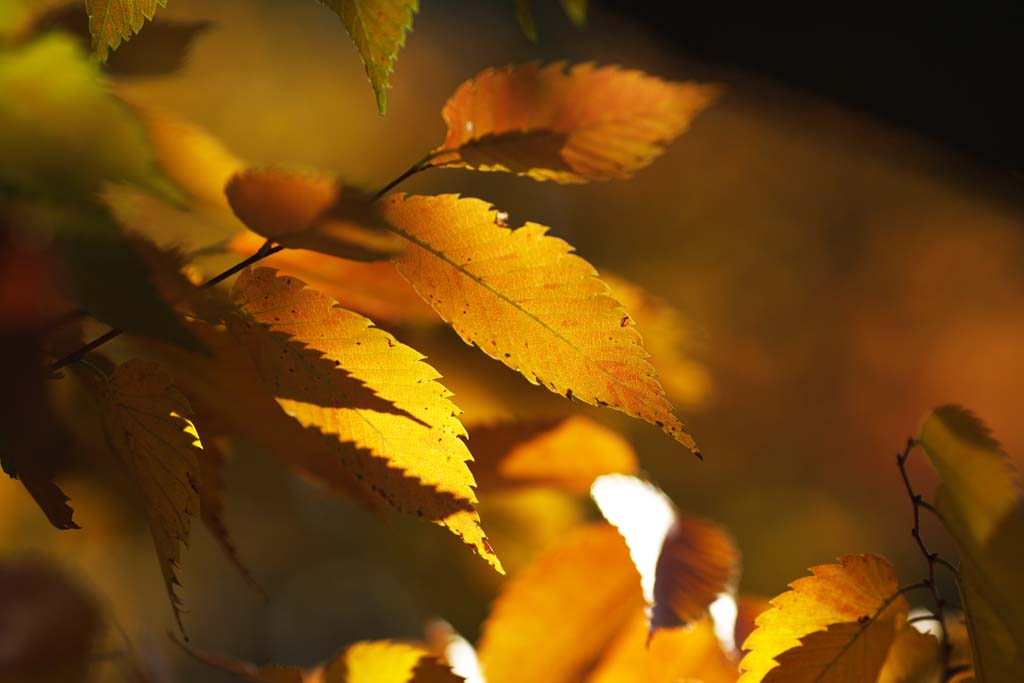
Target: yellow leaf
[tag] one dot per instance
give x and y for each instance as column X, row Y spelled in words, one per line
column 915, row 657
column 333, row 371
column 547, row 123
column 373, row 289
column 526, row 300
column 685, row 563
column 576, row 10
column 311, row 212
column 667, row 338
column 113, row 21
column 833, row 627
column 567, row 454
column 979, row 503
column 365, row 662
column 670, row 655
column 558, row 614
column 378, row 28
column 147, row 423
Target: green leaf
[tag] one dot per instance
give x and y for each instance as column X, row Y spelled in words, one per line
column 979, row 503
column 576, row 10
column 378, row 28
column 114, row 21
column 62, row 134
column 524, row 15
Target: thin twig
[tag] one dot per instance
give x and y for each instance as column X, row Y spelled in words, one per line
column 933, row 559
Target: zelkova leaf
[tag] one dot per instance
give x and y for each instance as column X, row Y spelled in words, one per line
column 114, row 21
column 146, row 420
column 979, row 503
column 568, row 125
column 375, row 289
column 311, row 212
column 332, row 370
column 557, row 615
column 378, row 28
column 685, row 563
column 836, row 626
column 566, row 454
column 526, row 300
column 379, row 661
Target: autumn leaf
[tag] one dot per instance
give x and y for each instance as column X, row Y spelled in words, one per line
column 566, row 454
column 146, row 420
column 915, row 657
column 114, row 21
column 835, row 626
column 979, row 503
column 379, row 661
column 670, row 655
column 524, row 15
column 378, row 28
column 332, row 370
column 374, row 289
column 568, row 125
column 311, row 212
column 526, row 300
column 559, row 613
column 576, row 10
column 685, row 563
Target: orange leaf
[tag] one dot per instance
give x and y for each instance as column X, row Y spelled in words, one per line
column 525, row 299
column 311, row 212
column 332, row 370
column 834, row 626
column 570, row 126
column 558, row 614
column 567, row 454
column 373, row 289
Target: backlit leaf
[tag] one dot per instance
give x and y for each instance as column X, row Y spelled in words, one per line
column 366, row 662
column 558, row 614
column 567, row 125
column 526, row 300
column 147, row 423
column 685, row 563
column 567, row 454
column 835, row 626
column 311, row 212
column 114, row 21
column 979, row 503
column 332, row 370
column 375, row 289
column 378, row 28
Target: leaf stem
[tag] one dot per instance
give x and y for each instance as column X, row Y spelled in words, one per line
column 421, row 165
column 931, row 558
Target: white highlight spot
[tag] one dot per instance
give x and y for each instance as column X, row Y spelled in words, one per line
column 926, row 626
column 724, row 612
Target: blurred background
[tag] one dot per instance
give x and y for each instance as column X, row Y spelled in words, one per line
column 842, row 231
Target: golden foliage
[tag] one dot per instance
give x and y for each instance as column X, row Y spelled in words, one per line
column 570, row 126
column 311, row 212
column 834, row 626
column 146, row 420
column 332, row 370
column 915, row 657
column 113, row 21
column 526, row 300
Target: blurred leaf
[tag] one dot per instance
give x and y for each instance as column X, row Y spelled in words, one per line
column 576, row 10
column 836, row 625
column 62, row 134
column 310, row 212
column 332, row 370
column 524, row 15
column 147, row 423
column 566, row 454
column 915, row 657
column 379, row 661
column 666, row 337
column 378, row 28
column 114, row 21
column 373, row 289
column 524, row 299
column 48, row 625
column 667, row 656
column 685, row 563
column 556, row 616
column 546, row 123
column 979, row 503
